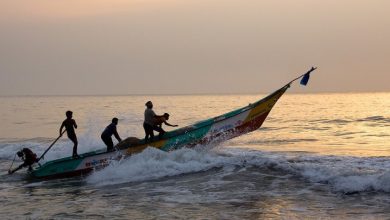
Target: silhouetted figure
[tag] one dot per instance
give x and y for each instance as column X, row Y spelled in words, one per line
column 153, row 122
column 159, row 119
column 28, row 157
column 70, row 125
column 149, row 121
column 108, row 132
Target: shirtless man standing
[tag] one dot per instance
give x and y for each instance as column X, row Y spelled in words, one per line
column 70, row 125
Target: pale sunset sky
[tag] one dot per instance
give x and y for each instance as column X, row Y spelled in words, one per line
column 118, row 47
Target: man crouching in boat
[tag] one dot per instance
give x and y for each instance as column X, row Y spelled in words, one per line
column 28, row 157
column 153, row 122
column 159, row 120
column 108, row 132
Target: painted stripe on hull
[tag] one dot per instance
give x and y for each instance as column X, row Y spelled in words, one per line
column 231, row 133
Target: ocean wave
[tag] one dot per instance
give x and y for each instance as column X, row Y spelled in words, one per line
column 342, row 174
column 333, row 121
column 270, row 141
column 154, row 164
column 377, row 119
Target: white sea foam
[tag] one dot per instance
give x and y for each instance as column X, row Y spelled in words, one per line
column 153, row 164
column 342, row 174
column 346, row 174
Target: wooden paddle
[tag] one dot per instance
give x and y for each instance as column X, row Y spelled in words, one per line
column 51, row 146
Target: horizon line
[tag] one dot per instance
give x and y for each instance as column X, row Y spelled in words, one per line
column 194, row 94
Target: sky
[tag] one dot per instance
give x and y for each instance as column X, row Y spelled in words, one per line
column 118, row 47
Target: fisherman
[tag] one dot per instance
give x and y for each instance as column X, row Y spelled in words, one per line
column 159, row 119
column 153, row 122
column 108, row 132
column 149, row 121
column 70, row 125
column 28, row 157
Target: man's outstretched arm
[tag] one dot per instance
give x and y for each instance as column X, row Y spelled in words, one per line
column 165, row 122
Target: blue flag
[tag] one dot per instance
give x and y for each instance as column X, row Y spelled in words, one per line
column 305, row 79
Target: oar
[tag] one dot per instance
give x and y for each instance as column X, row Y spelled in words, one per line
column 51, row 146
column 9, row 170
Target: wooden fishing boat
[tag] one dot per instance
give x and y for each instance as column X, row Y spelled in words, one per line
column 211, row 131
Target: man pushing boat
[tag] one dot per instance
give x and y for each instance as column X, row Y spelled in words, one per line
column 28, row 157
column 159, row 120
column 108, row 132
column 153, row 122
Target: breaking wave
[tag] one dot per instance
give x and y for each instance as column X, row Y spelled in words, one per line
column 154, row 164
column 342, row 174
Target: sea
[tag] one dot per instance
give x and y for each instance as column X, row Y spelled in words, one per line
column 317, row 156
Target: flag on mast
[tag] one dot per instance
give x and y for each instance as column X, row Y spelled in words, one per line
column 306, row 77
